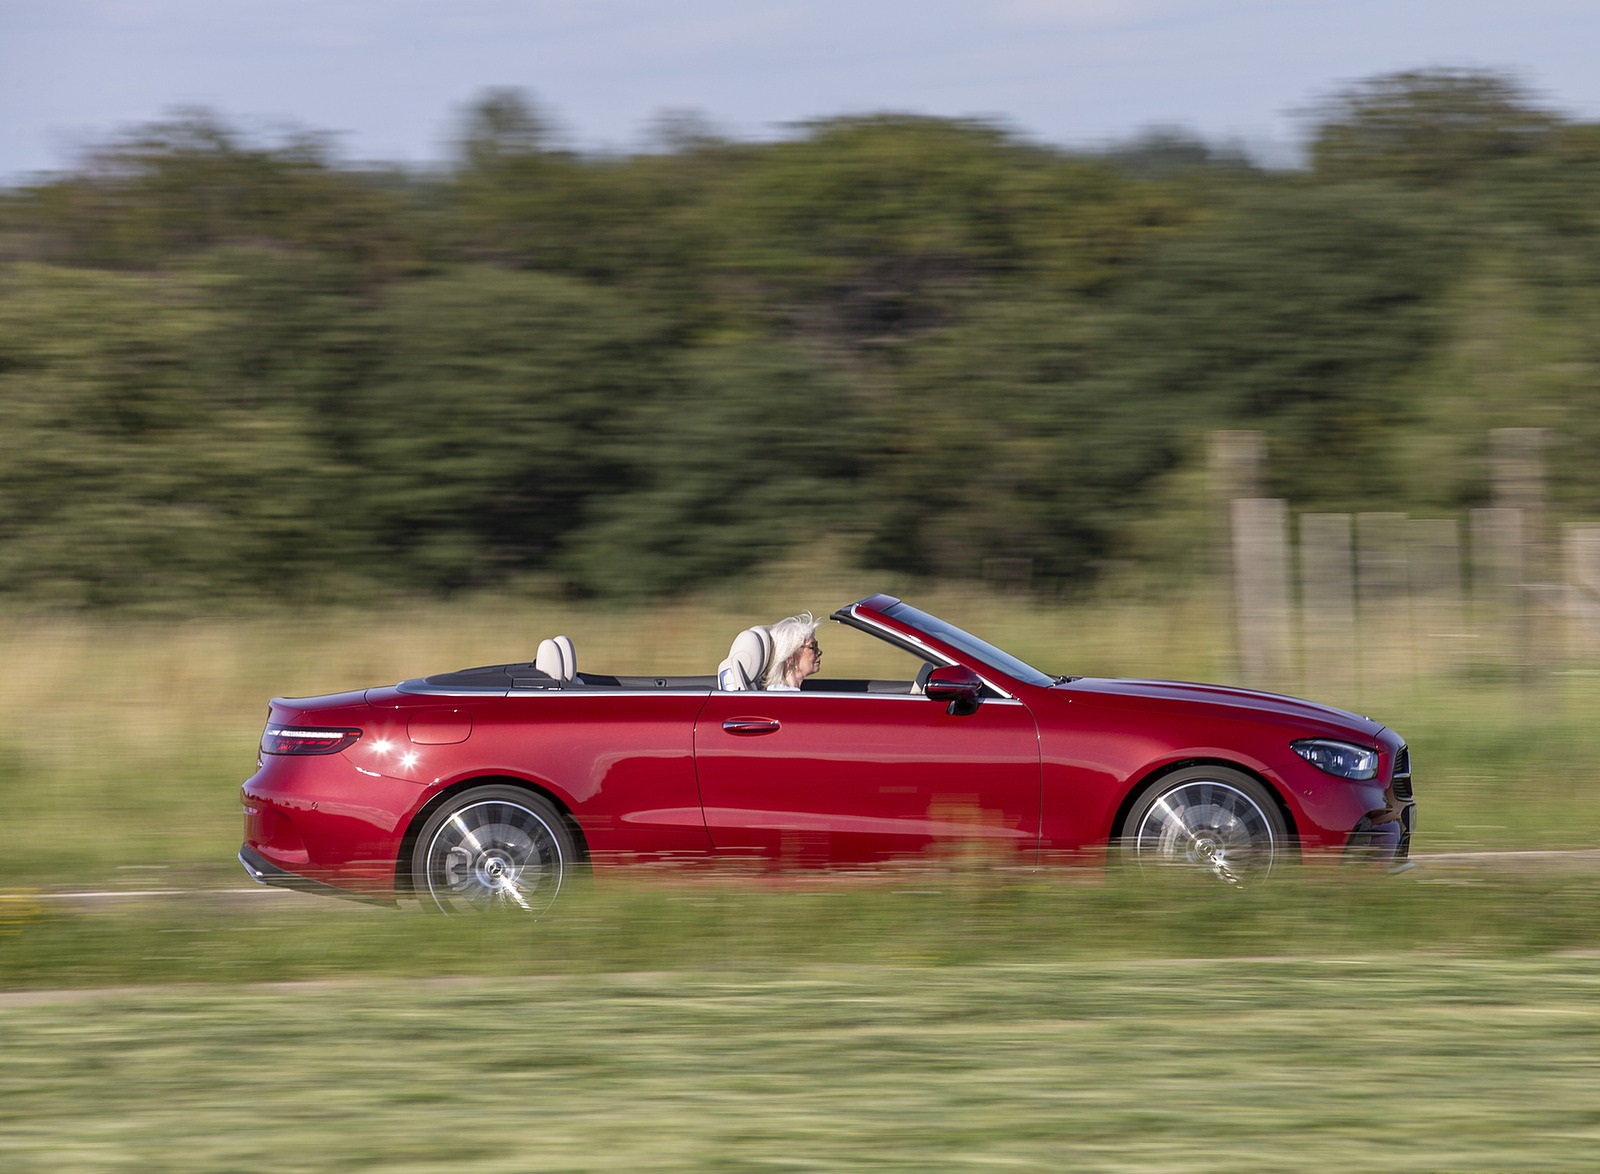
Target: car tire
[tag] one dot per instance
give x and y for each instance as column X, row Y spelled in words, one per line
column 493, row 847
column 1211, row 818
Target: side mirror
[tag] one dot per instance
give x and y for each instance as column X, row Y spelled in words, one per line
column 958, row 685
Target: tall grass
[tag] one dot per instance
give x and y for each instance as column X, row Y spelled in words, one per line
column 922, row 917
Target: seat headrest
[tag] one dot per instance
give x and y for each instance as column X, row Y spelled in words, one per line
column 557, row 659
column 747, row 660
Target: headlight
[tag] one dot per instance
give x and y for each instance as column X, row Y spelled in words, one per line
column 1338, row 758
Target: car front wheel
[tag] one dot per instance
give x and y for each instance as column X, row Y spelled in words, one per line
column 1212, row 818
column 492, row 847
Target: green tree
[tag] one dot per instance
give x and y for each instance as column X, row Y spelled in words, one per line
column 128, row 471
column 502, row 402
column 866, row 233
column 752, row 452
column 1298, row 314
column 192, row 183
column 1427, row 127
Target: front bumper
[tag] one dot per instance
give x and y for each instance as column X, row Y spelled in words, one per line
column 1384, row 837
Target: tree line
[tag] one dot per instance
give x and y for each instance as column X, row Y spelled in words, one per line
column 230, row 367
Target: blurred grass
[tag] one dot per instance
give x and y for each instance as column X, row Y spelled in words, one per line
column 1380, row 1063
column 918, row 1021
column 924, row 917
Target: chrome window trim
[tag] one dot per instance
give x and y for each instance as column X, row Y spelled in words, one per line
column 890, row 636
column 601, row 691
column 824, row 693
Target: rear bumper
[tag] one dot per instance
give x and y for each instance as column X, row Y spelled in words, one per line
column 264, row 872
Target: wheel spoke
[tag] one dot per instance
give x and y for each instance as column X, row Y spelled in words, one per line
column 493, row 854
column 1208, row 824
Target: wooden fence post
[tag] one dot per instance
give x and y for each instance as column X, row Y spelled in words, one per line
column 1261, row 589
column 1583, row 589
column 1434, row 564
column 1517, row 460
column 1235, row 466
column 1382, row 582
column 1497, row 579
column 1330, row 651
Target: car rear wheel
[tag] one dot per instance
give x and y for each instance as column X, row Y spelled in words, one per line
column 1212, row 818
column 492, row 847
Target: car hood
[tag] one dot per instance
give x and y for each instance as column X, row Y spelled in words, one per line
column 1118, row 691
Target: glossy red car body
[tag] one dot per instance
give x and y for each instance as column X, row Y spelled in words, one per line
column 841, row 774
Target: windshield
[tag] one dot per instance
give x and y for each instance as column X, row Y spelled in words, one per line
column 968, row 643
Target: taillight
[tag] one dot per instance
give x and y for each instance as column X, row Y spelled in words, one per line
column 306, row 740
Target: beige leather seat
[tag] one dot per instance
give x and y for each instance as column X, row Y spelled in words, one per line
column 557, row 659
column 747, row 660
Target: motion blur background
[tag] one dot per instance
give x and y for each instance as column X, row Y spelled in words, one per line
column 342, row 343
column 237, row 363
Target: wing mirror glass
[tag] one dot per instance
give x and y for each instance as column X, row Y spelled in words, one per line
column 957, row 684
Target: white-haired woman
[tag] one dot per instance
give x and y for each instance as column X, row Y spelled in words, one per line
column 795, row 655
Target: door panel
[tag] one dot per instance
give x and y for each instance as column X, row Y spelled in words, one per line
column 814, row 779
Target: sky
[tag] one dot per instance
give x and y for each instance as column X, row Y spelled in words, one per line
column 390, row 79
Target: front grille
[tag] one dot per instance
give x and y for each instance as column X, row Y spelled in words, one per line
column 1402, row 774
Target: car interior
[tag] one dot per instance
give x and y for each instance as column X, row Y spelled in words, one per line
column 555, row 667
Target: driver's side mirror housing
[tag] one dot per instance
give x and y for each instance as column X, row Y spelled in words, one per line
column 958, row 685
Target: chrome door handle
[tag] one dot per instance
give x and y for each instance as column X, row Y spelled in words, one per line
column 750, row 725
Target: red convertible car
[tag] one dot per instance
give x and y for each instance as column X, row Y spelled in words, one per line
column 491, row 787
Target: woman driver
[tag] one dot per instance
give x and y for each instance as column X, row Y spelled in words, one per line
column 795, row 654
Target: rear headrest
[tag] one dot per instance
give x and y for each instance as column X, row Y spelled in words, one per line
column 557, row 659
column 747, row 660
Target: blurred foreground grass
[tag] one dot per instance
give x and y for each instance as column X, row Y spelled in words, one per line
column 921, row 917
column 923, row 1021
column 1385, row 1061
